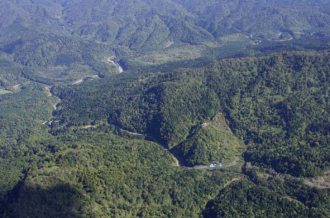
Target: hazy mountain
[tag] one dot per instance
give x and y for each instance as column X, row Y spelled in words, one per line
column 156, row 24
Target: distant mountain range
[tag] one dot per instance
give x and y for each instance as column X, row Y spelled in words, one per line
column 147, row 24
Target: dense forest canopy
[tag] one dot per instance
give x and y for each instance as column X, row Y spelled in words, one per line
column 167, row 108
column 274, row 103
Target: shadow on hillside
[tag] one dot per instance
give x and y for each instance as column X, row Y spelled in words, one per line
column 208, row 211
column 59, row 201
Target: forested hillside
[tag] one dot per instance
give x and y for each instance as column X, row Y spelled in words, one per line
column 106, row 152
column 53, row 33
column 167, row 108
column 147, row 24
column 245, row 199
column 278, row 105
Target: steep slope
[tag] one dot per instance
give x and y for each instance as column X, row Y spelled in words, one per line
column 247, row 199
column 67, row 39
column 105, row 148
column 262, row 98
column 144, row 24
column 88, row 172
column 21, row 116
column 211, row 141
column 294, row 18
column 95, row 173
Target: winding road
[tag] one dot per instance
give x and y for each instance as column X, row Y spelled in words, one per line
column 79, row 81
column 176, row 161
column 111, row 60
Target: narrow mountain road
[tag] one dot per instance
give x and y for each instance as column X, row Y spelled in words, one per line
column 111, row 61
column 232, row 164
column 79, row 81
column 226, row 166
column 175, row 158
column 232, row 181
column 176, row 161
column 48, row 92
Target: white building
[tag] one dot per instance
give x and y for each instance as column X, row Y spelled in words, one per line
column 216, row 165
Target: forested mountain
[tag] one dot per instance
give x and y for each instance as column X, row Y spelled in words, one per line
column 144, row 23
column 167, row 108
column 65, row 38
column 278, row 105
